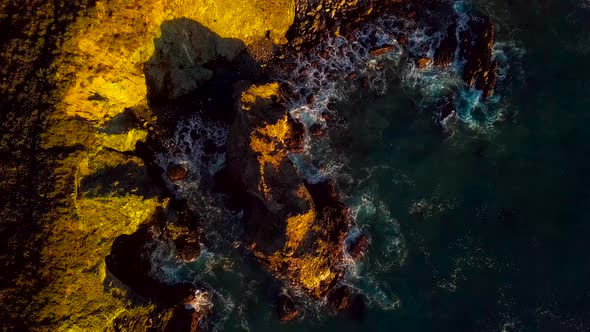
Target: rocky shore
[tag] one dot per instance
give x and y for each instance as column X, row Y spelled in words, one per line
column 93, row 91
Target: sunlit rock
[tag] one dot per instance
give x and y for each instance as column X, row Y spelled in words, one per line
column 295, row 229
column 108, row 50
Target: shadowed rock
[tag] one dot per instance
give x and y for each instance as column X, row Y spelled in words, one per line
column 476, row 47
column 179, row 65
column 294, row 229
column 286, row 308
column 444, row 54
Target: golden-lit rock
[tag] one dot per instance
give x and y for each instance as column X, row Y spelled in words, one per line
column 259, row 93
column 79, row 239
column 101, row 72
column 424, row 63
column 295, row 233
column 108, row 50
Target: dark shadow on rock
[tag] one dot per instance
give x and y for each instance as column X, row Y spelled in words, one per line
column 121, row 123
column 130, row 263
column 193, row 70
column 119, row 180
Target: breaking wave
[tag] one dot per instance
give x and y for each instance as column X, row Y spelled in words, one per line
column 376, row 58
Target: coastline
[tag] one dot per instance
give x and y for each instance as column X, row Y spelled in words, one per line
column 86, row 139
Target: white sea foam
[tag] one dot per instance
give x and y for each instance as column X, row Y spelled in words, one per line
column 188, row 148
column 387, row 250
column 331, row 72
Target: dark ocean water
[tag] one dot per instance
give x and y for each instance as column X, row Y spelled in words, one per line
column 484, row 229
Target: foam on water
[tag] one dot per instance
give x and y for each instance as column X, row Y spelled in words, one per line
column 197, row 146
column 331, row 72
column 387, row 250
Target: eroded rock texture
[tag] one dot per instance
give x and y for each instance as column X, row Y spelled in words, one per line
column 315, row 18
column 476, row 47
column 473, row 45
column 294, row 229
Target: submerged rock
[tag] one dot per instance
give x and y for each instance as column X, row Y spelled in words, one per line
column 423, row 63
column 381, row 50
column 286, row 308
column 176, row 173
column 358, row 247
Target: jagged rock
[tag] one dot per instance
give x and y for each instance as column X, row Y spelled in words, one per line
column 107, row 51
column 294, row 229
column 339, row 297
column 177, row 173
column 423, row 63
column 358, row 248
column 317, row 130
column 444, row 54
column 381, row 50
column 445, row 109
column 286, row 308
column 178, row 65
column 476, row 47
column 314, row 18
column 129, row 260
column 184, row 319
column 183, row 229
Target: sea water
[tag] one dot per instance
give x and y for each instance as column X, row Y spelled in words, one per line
column 477, row 225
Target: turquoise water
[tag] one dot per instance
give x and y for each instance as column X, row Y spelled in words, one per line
column 484, row 227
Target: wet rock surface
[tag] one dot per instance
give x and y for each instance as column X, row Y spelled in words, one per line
column 359, row 246
column 445, row 53
column 476, row 47
column 286, row 308
column 473, row 45
column 294, row 229
column 130, row 263
column 83, row 176
column 176, row 173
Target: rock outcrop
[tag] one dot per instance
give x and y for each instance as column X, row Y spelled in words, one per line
column 295, row 229
column 313, row 19
column 73, row 178
column 474, row 47
column 83, row 200
column 286, row 308
column 130, row 263
column 445, row 53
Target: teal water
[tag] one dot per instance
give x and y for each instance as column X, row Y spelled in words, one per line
column 485, row 228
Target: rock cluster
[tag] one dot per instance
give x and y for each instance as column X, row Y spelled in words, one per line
column 313, row 19
column 130, row 264
column 474, row 46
